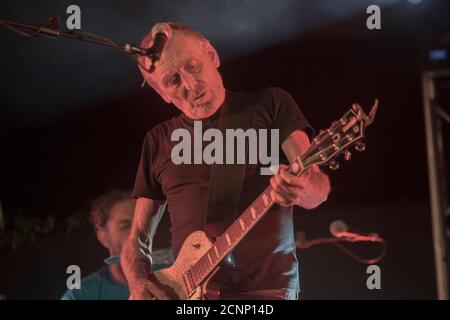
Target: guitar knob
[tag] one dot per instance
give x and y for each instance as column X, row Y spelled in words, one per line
column 347, row 155
column 333, row 165
column 360, row 146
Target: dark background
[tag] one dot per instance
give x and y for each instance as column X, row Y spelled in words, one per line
column 73, row 118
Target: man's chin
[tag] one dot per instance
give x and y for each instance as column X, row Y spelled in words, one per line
column 202, row 111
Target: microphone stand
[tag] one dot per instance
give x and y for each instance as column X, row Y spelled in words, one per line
column 52, row 30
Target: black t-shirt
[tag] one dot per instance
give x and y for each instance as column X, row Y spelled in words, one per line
column 266, row 257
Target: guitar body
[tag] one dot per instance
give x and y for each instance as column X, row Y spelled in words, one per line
column 193, row 248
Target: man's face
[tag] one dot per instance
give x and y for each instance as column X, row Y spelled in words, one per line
column 187, row 76
column 116, row 230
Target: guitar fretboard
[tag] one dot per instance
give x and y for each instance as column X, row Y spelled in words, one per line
column 231, row 237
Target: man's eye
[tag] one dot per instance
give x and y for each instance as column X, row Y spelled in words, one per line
column 194, row 67
column 172, row 81
column 125, row 226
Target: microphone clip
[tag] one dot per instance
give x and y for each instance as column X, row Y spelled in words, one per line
column 155, row 51
column 52, row 30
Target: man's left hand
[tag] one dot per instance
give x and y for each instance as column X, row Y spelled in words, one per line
column 308, row 190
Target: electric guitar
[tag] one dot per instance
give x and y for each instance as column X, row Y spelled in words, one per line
column 199, row 258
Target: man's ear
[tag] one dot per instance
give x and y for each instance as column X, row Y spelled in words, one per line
column 101, row 236
column 212, row 54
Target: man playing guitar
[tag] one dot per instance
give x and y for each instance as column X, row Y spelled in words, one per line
column 265, row 262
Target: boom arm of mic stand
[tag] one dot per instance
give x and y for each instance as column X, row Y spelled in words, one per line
column 52, row 31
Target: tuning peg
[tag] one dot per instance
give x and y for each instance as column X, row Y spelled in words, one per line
column 360, row 146
column 333, row 165
column 347, row 155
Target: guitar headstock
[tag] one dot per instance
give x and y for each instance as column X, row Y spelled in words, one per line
column 348, row 131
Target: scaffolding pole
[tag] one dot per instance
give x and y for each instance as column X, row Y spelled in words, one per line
column 435, row 156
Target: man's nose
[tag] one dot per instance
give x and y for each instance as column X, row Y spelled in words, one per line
column 188, row 80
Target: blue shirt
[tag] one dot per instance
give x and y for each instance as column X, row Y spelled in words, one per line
column 99, row 285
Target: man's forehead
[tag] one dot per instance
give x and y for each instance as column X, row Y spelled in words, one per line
column 173, row 64
column 123, row 208
column 177, row 53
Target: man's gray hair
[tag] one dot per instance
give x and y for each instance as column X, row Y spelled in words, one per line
column 188, row 31
column 147, row 41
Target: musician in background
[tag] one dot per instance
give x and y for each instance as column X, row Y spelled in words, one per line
column 265, row 265
column 111, row 216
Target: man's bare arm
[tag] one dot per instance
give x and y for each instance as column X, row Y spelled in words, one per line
column 135, row 265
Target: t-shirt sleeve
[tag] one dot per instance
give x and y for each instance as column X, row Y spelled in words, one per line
column 146, row 184
column 287, row 115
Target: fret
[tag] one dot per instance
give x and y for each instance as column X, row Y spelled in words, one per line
column 198, row 273
column 253, row 213
column 259, row 206
column 189, row 281
column 247, row 220
column 235, row 234
column 239, row 232
column 223, row 246
column 206, row 267
column 202, row 269
column 194, row 277
column 265, row 199
column 216, row 251
column 228, row 239
column 242, row 224
column 209, row 258
column 213, row 256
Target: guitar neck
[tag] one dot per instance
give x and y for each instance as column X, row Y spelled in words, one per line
column 232, row 236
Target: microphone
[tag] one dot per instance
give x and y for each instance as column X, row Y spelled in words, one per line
column 339, row 229
column 161, row 32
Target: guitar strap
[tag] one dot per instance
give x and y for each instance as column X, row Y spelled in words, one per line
column 225, row 179
column 225, row 183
